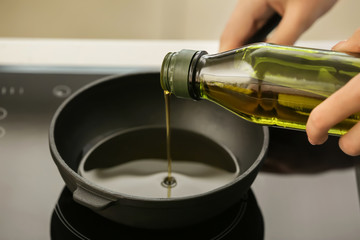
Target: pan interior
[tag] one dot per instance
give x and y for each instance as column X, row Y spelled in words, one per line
column 134, row 162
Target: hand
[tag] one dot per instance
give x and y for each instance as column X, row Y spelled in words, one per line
column 339, row 106
column 250, row 15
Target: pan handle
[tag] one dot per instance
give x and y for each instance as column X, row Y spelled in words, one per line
column 91, row 200
column 260, row 35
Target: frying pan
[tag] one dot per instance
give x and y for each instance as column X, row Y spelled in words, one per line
column 134, row 101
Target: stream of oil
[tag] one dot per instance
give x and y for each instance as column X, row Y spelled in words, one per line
column 169, row 181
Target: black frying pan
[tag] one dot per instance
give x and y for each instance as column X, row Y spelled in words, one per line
column 126, row 102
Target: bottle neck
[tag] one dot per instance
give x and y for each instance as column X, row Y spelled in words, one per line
column 193, row 84
column 177, row 73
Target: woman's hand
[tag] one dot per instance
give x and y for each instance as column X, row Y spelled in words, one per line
column 339, row 106
column 250, row 15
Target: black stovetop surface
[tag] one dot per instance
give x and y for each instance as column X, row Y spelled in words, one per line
column 30, row 183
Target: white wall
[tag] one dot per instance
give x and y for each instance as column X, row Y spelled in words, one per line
column 152, row 19
column 339, row 23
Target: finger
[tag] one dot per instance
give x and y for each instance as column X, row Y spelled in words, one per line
column 333, row 110
column 298, row 16
column 292, row 25
column 350, row 142
column 315, row 130
column 247, row 18
column 350, row 45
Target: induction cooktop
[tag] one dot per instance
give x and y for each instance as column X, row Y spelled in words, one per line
column 294, row 207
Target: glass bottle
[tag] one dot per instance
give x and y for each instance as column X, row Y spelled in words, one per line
column 262, row 83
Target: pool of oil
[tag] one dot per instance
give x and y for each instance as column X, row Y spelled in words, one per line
column 134, row 162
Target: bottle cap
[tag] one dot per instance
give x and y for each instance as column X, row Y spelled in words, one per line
column 175, row 72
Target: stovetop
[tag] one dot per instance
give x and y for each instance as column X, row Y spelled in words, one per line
column 321, row 206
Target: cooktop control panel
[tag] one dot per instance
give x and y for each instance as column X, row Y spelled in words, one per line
column 33, row 97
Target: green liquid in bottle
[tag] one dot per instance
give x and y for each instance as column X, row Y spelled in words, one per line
column 279, row 87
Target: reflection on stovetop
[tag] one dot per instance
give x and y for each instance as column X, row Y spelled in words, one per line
column 71, row 220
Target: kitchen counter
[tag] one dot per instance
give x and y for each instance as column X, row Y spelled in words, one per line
column 106, row 53
column 99, row 53
column 318, row 206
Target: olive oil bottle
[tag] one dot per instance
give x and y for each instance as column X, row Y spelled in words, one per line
column 262, row 83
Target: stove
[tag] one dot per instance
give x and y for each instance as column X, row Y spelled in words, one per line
column 36, row 76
